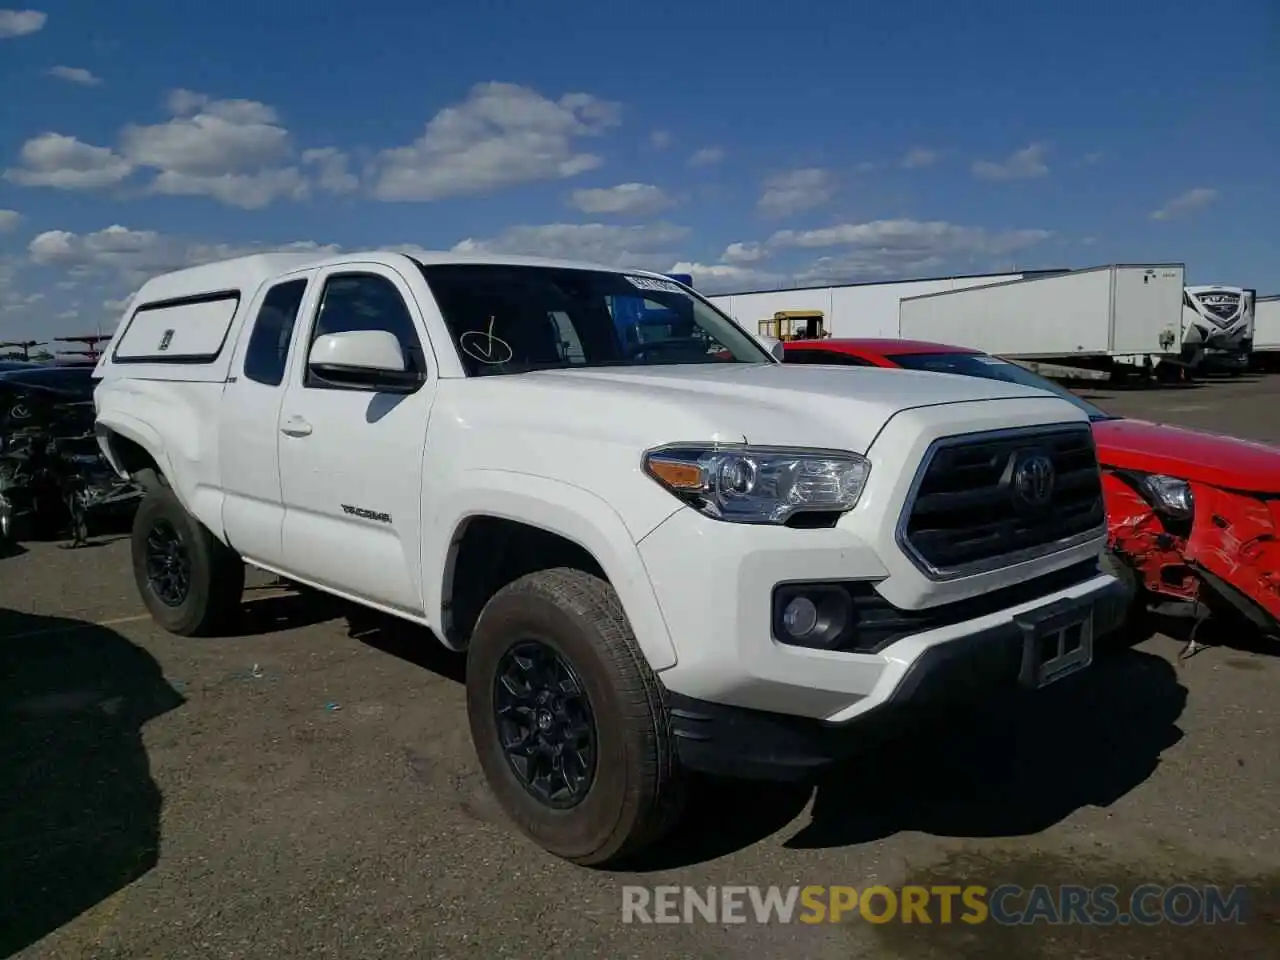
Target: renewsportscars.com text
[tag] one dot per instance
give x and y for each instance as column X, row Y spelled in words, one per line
column 1007, row 904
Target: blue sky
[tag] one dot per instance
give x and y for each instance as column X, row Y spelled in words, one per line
column 751, row 144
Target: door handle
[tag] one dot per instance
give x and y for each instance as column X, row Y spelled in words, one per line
column 296, row 427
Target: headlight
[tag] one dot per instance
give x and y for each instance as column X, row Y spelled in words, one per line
column 746, row 484
column 1168, row 495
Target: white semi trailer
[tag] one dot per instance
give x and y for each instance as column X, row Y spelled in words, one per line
column 1266, row 331
column 853, row 310
column 1117, row 318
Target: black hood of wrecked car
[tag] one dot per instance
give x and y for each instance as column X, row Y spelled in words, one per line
column 52, row 382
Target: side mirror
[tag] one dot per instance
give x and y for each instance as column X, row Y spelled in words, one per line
column 775, row 347
column 364, row 358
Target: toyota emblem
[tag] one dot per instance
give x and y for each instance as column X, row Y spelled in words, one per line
column 1033, row 480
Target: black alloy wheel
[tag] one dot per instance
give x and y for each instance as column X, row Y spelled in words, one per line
column 545, row 724
column 168, row 564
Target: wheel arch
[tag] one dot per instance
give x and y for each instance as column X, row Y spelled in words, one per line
column 586, row 527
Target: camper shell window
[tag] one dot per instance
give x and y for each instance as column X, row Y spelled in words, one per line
column 182, row 330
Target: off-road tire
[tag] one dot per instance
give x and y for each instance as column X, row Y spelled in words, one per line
column 216, row 572
column 638, row 791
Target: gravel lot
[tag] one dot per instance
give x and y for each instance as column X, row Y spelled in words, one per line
column 309, row 789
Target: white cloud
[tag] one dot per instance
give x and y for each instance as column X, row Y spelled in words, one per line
column 644, row 247
column 706, row 157
column 9, row 220
column 19, row 23
column 75, row 75
column 501, row 135
column 249, row 191
column 919, row 157
column 902, row 248
column 909, row 234
column 240, row 152
column 796, row 191
column 1192, row 200
column 234, row 151
column 331, row 174
column 65, row 163
column 660, row 139
column 1022, row 164
column 220, row 137
column 744, row 253
column 118, row 252
column 630, row 199
column 723, row 277
column 877, row 250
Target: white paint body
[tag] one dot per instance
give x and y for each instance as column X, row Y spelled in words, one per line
column 267, row 469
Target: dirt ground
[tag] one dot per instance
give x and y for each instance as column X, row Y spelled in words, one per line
column 300, row 790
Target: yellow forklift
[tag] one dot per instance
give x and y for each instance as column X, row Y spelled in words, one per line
column 795, row 325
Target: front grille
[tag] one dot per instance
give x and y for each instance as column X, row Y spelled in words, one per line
column 988, row 500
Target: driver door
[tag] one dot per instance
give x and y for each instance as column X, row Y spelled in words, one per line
column 351, row 456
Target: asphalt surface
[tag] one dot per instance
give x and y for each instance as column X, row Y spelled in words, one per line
column 301, row 790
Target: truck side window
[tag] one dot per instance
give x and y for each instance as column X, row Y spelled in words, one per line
column 366, row 301
column 268, row 351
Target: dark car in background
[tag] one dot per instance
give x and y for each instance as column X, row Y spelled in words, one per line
column 54, row 480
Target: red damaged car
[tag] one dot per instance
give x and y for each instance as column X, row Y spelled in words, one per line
column 1192, row 516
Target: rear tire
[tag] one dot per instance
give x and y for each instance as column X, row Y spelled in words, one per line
column 190, row 581
column 630, row 790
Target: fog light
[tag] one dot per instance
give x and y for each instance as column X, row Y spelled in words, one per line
column 800, row 617
column 817, row 615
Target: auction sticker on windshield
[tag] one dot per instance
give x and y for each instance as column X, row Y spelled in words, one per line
column 653, row 283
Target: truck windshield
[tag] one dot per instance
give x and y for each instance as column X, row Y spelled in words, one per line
column 508, row 319
column 992, row 368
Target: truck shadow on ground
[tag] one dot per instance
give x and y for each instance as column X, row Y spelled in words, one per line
column 406, row 641
column 11, row 548
column 1004, row 768
column 276, row 612
column 81, row 813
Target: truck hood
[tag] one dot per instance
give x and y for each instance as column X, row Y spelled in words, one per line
column 1189, row 455
column 761, row 403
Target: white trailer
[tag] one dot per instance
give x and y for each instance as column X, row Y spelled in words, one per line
column 1113, row 317
column 1266, row 331
column 856, row 309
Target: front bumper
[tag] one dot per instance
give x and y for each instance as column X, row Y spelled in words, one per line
column 744, row 701
column 737, row 741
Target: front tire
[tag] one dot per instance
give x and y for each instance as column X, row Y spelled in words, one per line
column 569, row 722
column 190, row 581
column 1136, row 626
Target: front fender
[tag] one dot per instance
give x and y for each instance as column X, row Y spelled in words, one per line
column 563, row 509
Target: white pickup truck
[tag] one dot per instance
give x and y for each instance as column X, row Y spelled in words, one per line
column 660, row 553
